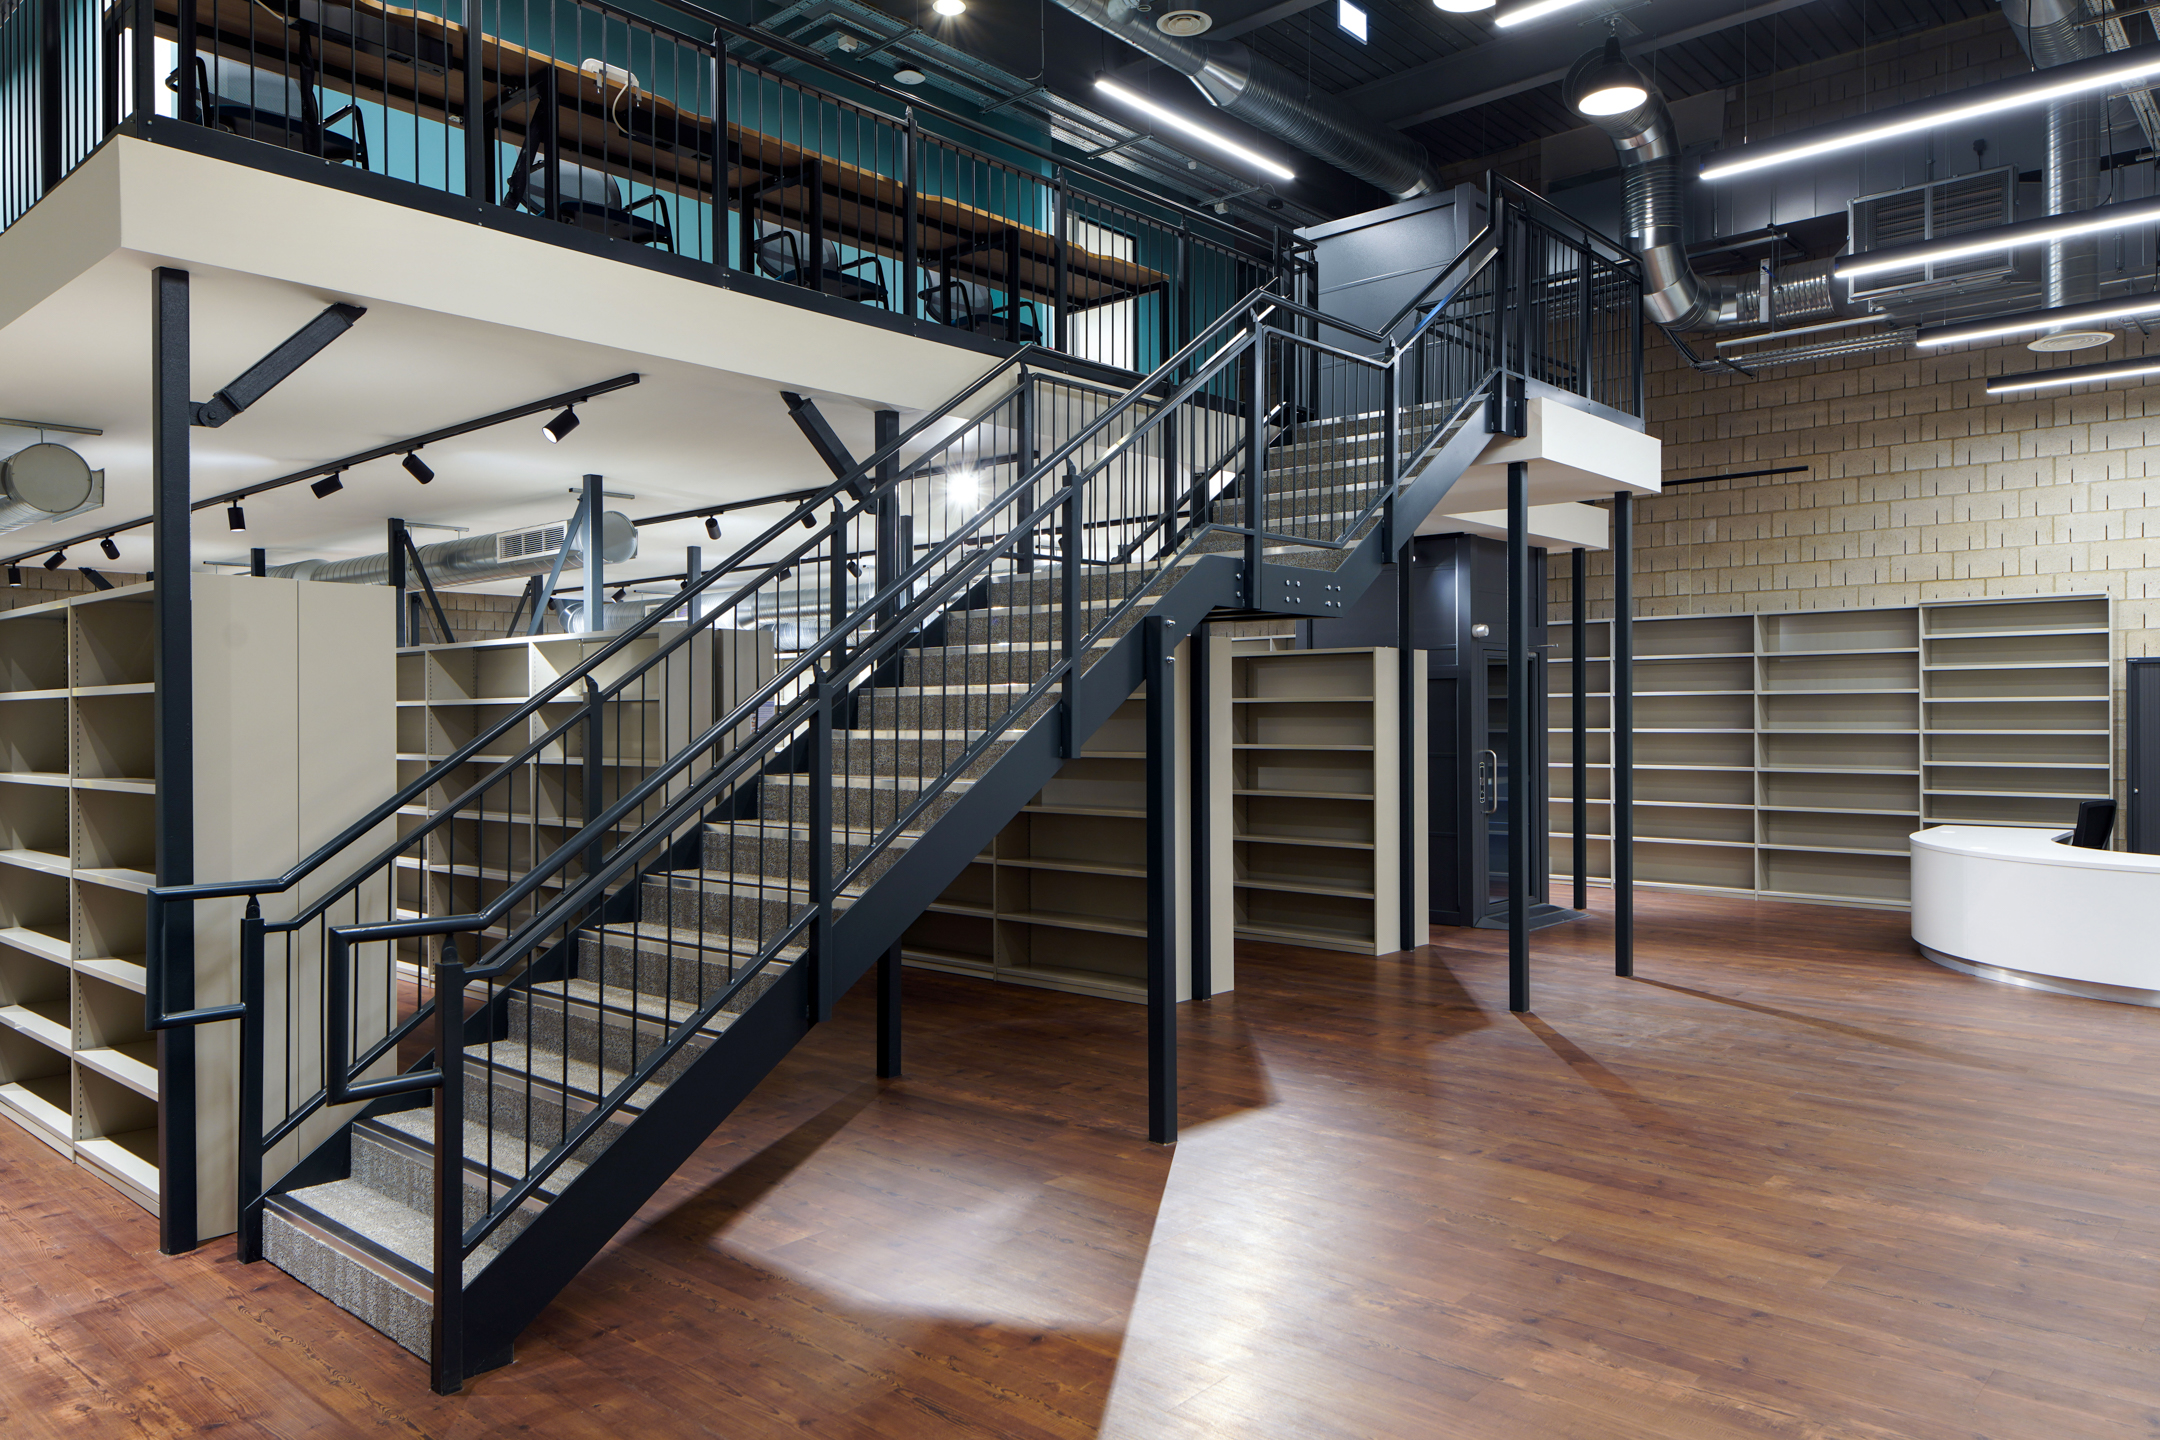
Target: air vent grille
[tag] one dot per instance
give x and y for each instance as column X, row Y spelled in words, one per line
column 523, row 544
column 1935, row 211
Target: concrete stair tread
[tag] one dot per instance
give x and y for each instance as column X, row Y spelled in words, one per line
column 614, row 1000
column 398, row 1234
column 644, row 937
column 551, row 1069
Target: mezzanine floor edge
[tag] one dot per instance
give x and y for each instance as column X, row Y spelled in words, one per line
column 1793, row 1180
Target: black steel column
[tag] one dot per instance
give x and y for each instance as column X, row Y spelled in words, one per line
column 1623, row 735
column 891, row 563
column 396, row 542
column 258, row 562
column 888, row 1014
column 910, row 218
column 1520, row 787
column 1199, row 883
column 172, row 618
column 478, row 170
column 595, row 579
column 1580, row 770
column 51, row 92
column 694, row 571
column 1256, row 392
column 1157, row 665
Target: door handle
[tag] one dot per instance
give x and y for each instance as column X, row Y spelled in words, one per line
column 1488, row 780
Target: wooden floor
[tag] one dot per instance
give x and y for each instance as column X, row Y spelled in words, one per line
column 1790, row 1181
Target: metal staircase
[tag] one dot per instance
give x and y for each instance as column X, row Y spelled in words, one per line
column 598, row 996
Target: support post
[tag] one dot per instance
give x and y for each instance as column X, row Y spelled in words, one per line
column 258, row 562
column 395, row 539
column 1579, row 766
column 910, row 218
column 820, row 829
column 1199, row 882
column 51, row 94
column 1070, row 544
column 1412, row 928
column 250, row 1116
column 888, row 1014
column 891, row 564
column 173, row 709
column 1061, row 242
column 1156, row 663
column 836, row 587
column 1255, row 462
column 595, row 579
column 1520, row 786
column 694, row 571
column 1623, row 735
column 478, row 153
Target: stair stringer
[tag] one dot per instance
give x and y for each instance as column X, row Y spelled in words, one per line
column 579, row 1222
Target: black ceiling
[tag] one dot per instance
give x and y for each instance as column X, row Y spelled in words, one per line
column 1040, row 43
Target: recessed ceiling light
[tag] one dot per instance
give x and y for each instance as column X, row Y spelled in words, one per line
column 1351, row 20
column 1464, row 7
column 908, row 75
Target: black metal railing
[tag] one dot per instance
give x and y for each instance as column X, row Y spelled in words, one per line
column 640, row 844
column 667, row 131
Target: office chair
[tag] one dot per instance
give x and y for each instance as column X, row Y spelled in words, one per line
column 2095, row 822
column 783, row 254
column 260, row 104
column 966, row 305
column 591, row 200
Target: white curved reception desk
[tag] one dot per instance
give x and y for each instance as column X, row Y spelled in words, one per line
column 2019, row 906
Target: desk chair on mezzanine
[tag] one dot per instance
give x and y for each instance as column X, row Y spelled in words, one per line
column 783, row 254
column 591, row 200
column 967, row 305
column 281, row 109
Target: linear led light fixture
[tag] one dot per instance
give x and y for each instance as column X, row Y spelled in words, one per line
column 2030, row 320
column 1193, row 128
column 1999, row 237
column 1524, row 14
column 2123, row 67
column 2074, row 375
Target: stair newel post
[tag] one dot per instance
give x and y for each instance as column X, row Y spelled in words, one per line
column 251, row 1082
column 1024, row 427
column 821, row 850
column 1069, row 616
column 1158, row 664
column 1255, row 461
column 448, row 1347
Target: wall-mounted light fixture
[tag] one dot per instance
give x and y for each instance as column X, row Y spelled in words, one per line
column 1193, row 128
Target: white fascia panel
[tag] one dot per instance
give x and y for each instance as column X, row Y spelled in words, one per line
column 1567, row 526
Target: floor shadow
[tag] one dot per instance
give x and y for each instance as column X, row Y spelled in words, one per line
column 1837, row 1027
column 1623, row 1096
column 709, row 1212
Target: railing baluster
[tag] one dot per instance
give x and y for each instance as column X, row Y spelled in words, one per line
column 448, row 1331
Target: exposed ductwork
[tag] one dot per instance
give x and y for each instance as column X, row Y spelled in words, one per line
column 2049, row 32
column 1267, row 97
column 1673, row 294
column 476, row 559
column 46, row 482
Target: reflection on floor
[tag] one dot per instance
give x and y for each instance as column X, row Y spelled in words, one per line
column 1793, row 1181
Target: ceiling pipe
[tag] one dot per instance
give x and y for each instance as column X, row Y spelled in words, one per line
column 2050, row 34
column 1270, row 99
column 1674, row 296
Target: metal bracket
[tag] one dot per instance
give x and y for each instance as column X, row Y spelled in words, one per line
column 265, row 374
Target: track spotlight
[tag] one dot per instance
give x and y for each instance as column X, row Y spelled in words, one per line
column 854, row 569
column 235, row 517
column 112, row 551
column 712, row 526
column 617, row 596
column 809, row 522
column 418, row 469
column 14, row 577
column 55, row 560
column 785, row 571
column 561, row 425
column 329, row 485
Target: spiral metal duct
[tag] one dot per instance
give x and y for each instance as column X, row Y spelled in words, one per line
column 471, row 559
column 1673, row 294
column 46, row 482
column 2048, row 32
column 1267, row 97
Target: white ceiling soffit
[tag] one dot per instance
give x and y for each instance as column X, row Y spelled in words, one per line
column 461, row 322
column 1569, row 526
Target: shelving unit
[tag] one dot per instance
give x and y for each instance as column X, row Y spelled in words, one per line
column 292, row 739
column 1058, row 899
column 1791, row 755
column 447, row 694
